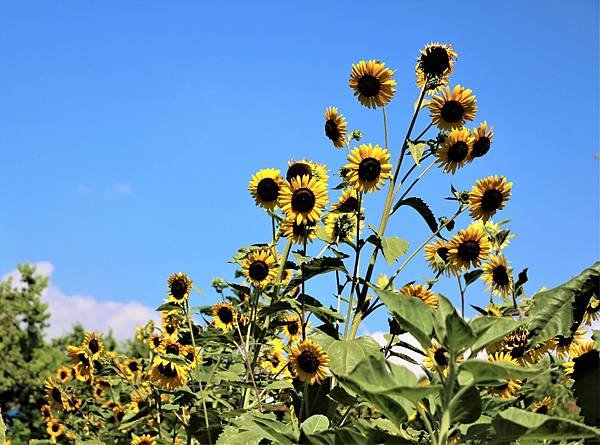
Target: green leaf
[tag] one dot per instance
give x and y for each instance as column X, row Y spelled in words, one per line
column 344, row 355
column 411, row 313
column 168, row 307
column 279, row 384
column 471, row 277
column 233, row 436
column 315, row 424
column 479, row 371
column 514, row 423
column 416, row 151
column 313, row 268
column 465, row 406
column 491, row 329
column 556, row 311
column 393, row 248
column 459, row 335
column 269, row 428
column 420, row 206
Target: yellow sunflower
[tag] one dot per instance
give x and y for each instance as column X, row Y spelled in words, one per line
column 306, row 168
column 493, row 311
column 55, row 395
column 437, row 358
column 544, row 406
column 368, row 167
column 63, row 374
column 420, row 291
column 510, row 387
column 118, row 413
column 93, row 342
column 298, row 233
column 260, row 268
column 275, row 362
column 489, row 195
column 335, row 127
column 265, row 187
column 516, row 344
column 139, row 401
column 482, row 140
column 309, row 362
column 436, row 255
column 435, row 62
column 144, row 439
column 583, row 358
column 170, row 323
column 592, row 311
column 191, row 355
column 132, row 368
column 341, row 227
column 46, row 412
column 154, row 342
column 180, row 287
column 74, row 404
column 498, row 275
column 224, row 316
column 167, row 374
column 100, row 390
column 452, row 108
column 54, row 429
column 303, row 199
column 469, row 247
column 372, row 82
column 347, row 202
column 564, row 345
column 454, row 152
column 292, row 327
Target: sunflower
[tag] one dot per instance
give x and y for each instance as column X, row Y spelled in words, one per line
column 420, row 291
column 482, row 140
column 306, row 168
column 180, row 287
column 309, row 362
column 498, row 275
column 74, row 404
column 167, row 374
column 292, row 327
column 436, row 255
column 46, row 412
column 452, row 108
column 564, row 345
column 584, row 357
column 260, row 268
column 437, row 358
column 347, row 203
column 132, row 368
column 372, row 82
column 510, row 386
column 489, row 195
column 303, row 199
column 224, row 316
column 592, row 311
column 298, row 233
column 154, row 342
column 435, row 62
column 335, row 127
column 170, row 323
column 544, row 406
column 118, row 413
column 63, row 374
column 144, row 439
column 99, row 390
column 341, row 227
column 493, row 311
column 93, row 342
column 454, row 152
column 192, row 355
column 368, row 167
column 265, row 187
column 469, row 247
column 54, row 429
column 139, row 401
column 516, row 344
column 55, row 395
column 275, row 362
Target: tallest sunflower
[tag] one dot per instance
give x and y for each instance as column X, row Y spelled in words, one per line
column 372, row 82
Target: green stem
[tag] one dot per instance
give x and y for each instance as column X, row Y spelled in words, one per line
column 355, row 272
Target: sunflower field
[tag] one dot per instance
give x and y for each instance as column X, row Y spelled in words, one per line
column 279, row 359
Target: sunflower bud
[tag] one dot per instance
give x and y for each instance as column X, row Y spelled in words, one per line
column 356, row 135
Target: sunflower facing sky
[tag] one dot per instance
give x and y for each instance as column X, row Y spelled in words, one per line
column 454, row 152
column 260, row 268
column 498, row 276
column 469, row 247
column 265, row 187
column 489, row 195
column 372, row 83
column 452, row 108
column 421, row 292
column 303, row 199
column 335, row 127
column 482, row 140
column 224, row 316
column 435, row 62
column 368, row 167
column 180, row 287
column 309, row 362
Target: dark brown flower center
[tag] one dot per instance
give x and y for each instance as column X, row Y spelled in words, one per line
column 369, row 169
column 458, row 151
column 225, row 314
column 274, row 361
column 302, row 230
column 267, row 189
column 331, row 130
column 542, row 409
column 167, row 370
column 55, row 427
column 452, row 111
column 563, row 341
column 94, row 346
column 190, row 356
column 308, row 362
column 293, row 327
column 120, row 415
column 369, row 85
column 172, row 349
column 481, row 146
column 435, row 61
column 258, row 270
column 170, row 329
column 134, row 366
column 442, row 252
column 502, row 387
column 179, row 289
column 440, row 357
column 298, row 169
column 468, row 250
column 156, row 341
column 303, row 200
column 350, row 205
column 56, row 394
column 500, row 276
column 63, row 375
column 491, row 200
column 83, row 359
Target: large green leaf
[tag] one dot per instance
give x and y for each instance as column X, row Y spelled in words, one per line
column 556, row 311
column 393, row 248
column 459, row 335
column 268, row 427
column 515, row 423
column 411, row 313
column 491, row 329
column 479, row 371
column 315, row 424
column 344, row 355
column 313, row 268
column 465, row 406
column 233, row 436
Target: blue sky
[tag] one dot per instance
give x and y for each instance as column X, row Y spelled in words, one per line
column 128, row 132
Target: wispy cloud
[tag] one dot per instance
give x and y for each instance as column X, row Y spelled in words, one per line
column 114, row 190
column 94, row 314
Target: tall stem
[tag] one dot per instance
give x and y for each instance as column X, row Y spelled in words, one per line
column 355, row 272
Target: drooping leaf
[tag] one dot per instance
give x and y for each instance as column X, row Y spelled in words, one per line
column 483, row 371
column 393, row 248
column 313, row 268
column 417, row 150
column 168, row 307
column 471, row 277
column 554, row 311
column 420, row 206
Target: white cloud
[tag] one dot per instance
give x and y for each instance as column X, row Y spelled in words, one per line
column 95, row 315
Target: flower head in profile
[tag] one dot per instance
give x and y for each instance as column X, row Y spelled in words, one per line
column 482, row 140
column 335, row 127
